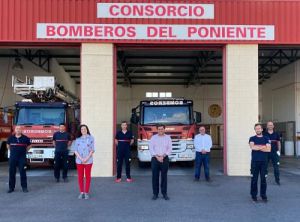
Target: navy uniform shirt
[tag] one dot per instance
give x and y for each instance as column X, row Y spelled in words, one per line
column 61, row 140
column 258, row 155
column 124, row 139
column 18, row 146
column 274, row 137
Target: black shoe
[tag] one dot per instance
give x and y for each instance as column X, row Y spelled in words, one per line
column 66, row 180
column 154, row 197
column 57, row 180
column 264, row 199
column 196, row 179
column 254, row 199
column 208, row 180
column 10, row 190
column 166, row 197
column 25, row 190
column 278, row 182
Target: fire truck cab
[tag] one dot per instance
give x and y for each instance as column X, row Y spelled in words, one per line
column 5, row 130
column 180, row 121
column 44, row 108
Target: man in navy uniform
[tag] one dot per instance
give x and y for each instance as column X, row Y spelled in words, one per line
column 275, row 149
column 260, row 146
column 18, row 145
column 61, row 141
column 123, row 140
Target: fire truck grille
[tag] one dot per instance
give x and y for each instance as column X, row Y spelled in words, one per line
column 175, row 136
column 41, row 140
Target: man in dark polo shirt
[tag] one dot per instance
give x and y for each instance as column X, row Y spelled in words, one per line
column 61, row 141
column 275, row 149
column 18, row 144
column 123, row 140
column 260, row 146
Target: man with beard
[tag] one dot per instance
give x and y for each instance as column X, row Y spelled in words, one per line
column 260, row 146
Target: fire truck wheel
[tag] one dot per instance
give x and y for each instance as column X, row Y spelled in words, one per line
column 28, row 166
column 3, row 153
column 190, row 164
column 187, row 164
column 72, row 162
column 143, row 164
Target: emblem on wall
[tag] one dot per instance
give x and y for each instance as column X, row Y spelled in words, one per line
column 214, row 110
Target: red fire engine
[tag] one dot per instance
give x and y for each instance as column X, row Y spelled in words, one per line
column 180, row 121
column 46, row 105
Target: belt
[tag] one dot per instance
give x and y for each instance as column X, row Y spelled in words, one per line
column 17, row 144
column 124, row 140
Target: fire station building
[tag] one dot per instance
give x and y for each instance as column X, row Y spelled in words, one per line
column 237, row 60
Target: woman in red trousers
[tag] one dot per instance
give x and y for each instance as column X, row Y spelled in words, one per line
column 84, row 149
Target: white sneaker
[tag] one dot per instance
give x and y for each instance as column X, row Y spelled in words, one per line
column 86, row 196
column 81, row 196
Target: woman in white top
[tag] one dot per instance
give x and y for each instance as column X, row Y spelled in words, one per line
column 84, row 149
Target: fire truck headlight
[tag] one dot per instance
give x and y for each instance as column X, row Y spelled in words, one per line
column 190, row 146
column 143, row 147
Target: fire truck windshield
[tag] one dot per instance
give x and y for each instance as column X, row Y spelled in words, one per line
column 40, row 116
column 167, row 115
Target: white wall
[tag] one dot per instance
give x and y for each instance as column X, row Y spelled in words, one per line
column 63, row 77
column 78, row 90
column 7, row 96
column 278, row 95
column 203, row 97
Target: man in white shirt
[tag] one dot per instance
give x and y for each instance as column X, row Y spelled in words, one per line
column 203, row 144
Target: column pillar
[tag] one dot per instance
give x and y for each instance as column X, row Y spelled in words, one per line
column 97, row 85
column 241, row 100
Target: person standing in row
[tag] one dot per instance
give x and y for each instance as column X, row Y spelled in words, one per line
column 123, row 140
column 202, row 144
column 160, row 148
column 18, row 145
column 61, row 141
column 260, row 146
column 84, row 150
column 275, row 149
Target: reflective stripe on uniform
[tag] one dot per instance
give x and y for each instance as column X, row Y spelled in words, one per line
column 17, row 144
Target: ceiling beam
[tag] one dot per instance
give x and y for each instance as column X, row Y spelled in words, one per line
column 69, row 63
column 169, row 77
column 72, row 70
column 175, row 72
column 46, row 56
column 161, row 57
column 169, row 64
column 169, row 83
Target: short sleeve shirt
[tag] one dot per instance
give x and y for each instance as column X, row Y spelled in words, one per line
column 274, row 138
column 61, row 141
column 124, row 139
column 258, row 155
column 83, row 146
column 18, row 146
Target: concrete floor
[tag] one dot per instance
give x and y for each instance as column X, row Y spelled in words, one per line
column 224, row 199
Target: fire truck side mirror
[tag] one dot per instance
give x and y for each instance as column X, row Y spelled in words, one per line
column 197, row 117
column 134, row 118
column 5, row 116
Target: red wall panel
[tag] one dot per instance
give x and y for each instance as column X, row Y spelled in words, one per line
column 19, row 17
